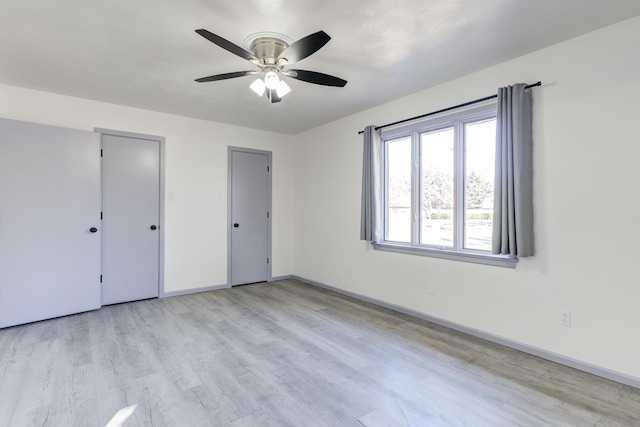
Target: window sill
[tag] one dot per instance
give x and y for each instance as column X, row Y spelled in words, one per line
column 473, row 257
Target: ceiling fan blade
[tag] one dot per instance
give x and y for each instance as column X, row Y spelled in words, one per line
column 226, row 76
column 305, row 47
column 227, row 45
column 316, row 78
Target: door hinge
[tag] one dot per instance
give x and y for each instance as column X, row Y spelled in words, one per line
column 101, row 152
column 267, row 214
column 268, row 168
column 100, row 215
column 267, row 260
column 101, row 278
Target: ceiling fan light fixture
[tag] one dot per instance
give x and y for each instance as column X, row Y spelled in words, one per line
column 258, row 87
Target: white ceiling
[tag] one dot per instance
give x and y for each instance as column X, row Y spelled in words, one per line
column 145, row 53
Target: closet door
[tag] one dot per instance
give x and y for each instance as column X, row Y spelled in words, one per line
column 131, row 221
column 49, row 222
column 250, row 223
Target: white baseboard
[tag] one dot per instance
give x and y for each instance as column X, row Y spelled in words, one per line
column 554, row 357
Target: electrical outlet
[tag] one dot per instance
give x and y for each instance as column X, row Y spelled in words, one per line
column 565, row 318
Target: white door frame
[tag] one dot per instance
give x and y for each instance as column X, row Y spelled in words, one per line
column 230, row 150
column 160, row 139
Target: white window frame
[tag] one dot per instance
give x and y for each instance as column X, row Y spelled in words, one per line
column 456, row 120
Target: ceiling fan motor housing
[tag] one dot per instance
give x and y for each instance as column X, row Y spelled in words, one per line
column 267, row 49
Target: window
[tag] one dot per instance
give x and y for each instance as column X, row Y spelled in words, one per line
column 439, row 179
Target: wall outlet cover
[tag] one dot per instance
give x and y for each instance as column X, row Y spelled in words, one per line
column 565, row 318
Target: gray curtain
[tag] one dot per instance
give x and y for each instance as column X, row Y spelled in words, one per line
column 513, row 197
column 371, row 222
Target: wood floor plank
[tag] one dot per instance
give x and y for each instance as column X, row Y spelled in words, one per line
column 284, row 354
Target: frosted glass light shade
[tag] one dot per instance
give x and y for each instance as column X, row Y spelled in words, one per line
column 282, row 89
column 258, row 87
column 271, row 80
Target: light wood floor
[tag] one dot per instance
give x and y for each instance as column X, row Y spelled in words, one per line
column 284, row 354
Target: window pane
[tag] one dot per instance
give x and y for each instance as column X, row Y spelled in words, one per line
column 399, row 190
column 479, row 177
column 436, row 198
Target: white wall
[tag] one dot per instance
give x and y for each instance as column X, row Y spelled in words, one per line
column 196, row 174
column 587, row 209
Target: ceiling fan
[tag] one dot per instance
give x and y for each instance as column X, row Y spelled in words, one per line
column 272, row 53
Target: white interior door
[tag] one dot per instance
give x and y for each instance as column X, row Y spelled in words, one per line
column 49, row 222
column 249, row 216
column 131, row 218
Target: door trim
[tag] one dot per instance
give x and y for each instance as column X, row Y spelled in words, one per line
column 161, row 140
column 230, row 151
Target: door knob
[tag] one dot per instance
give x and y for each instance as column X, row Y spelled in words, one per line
column 153, row 227
column 236, row 225
column 93, row 229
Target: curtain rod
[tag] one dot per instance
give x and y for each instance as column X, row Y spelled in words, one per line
column 475, row 101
